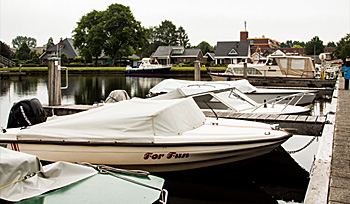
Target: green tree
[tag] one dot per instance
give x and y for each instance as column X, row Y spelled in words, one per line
column 18, row 41
column 182, row 37
column 34, row 57
column 64, row 58
column 166, row 33
column 123, row 32
column 342, row 50
column 22, row 53
column 49, row 43
column 205, row 47
column 314, row 46
column 331, row 44
column 89, row 36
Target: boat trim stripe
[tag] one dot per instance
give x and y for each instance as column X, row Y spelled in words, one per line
column 89, row 143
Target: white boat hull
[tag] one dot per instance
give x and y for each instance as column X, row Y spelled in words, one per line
column 153, row 159
column 218, row 142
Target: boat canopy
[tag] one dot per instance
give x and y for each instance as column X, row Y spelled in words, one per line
column 134, row 121
column 17, row 165
column 296, row 65
column 168, row 85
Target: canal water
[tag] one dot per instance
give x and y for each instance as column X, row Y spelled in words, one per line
column 281, row 176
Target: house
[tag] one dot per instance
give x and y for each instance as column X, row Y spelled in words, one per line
column 209, row 57
column 64, row 46
column 232, row 52
column 177, row 54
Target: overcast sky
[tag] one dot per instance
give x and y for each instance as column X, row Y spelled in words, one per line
column 203, row 20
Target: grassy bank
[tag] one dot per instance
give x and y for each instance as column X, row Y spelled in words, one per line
column 16, row 69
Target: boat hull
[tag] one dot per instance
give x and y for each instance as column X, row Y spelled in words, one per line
column 147, row 71
column 156, row 158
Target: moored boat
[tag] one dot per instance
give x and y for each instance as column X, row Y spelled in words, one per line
column 259, row 95
column 291, row 67
column 153, row 135
column 145, row 68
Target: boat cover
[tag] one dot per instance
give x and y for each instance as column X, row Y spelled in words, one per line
column 134, row 121
column 168, row 85
column 16, row 165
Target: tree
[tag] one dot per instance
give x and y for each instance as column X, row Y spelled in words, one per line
column 23, row 52
column 205, row 47
column 331, row 44
column 342, row 50
column 18, row 41
column 166, row 33
column 64, row 58
column 49, row 43
column 182, row 37
column 291, row 44
column 123, row 32
column 34, row 57
column 89, row 36
column 314, row 46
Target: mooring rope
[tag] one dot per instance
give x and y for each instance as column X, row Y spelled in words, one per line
column 22, row 179
column 295, row 151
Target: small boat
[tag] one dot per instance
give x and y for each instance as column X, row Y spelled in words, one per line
column 290, row 67
column 145, row 68
column 259, row 95
column 25, row 179
column 152, row 135
column 232, row 100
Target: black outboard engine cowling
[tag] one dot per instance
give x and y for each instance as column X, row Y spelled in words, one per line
column 26, row 113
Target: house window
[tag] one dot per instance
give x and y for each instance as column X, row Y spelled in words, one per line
column 233, row 52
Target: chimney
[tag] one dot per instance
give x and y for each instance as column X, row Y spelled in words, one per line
column 243, row 36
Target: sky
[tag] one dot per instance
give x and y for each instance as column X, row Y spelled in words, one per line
column 203, row 20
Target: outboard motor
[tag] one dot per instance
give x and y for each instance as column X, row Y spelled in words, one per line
column 117, row 95
column 26, row 113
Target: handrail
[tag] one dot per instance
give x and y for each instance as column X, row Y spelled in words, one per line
column 65, row 87
column 7, row 61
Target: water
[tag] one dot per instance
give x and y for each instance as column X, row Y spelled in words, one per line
column 277, row 177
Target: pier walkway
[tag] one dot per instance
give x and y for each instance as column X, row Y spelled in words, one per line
column 330, row 177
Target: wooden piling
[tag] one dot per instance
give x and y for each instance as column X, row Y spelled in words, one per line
column 54, row 82
column 245, row 70
column 197, row 71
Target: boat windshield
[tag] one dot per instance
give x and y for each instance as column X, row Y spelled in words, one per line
column 240, row 70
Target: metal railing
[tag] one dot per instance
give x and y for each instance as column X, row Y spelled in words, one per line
column 7, row 62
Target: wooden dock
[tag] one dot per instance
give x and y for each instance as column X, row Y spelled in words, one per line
column 296, row 124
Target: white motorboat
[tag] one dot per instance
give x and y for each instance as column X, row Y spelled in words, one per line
column 231, row 99
column 145, row 68
column 259, row 95
column 282, row 67
column 153, row 135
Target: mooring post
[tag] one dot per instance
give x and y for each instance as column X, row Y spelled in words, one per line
column 245, row 69
column 197, row 71
column 54, row 82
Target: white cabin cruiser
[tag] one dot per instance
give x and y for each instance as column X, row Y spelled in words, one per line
column 282, row 67
column 259, row 95
column 153, row 135
column 145, row 68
